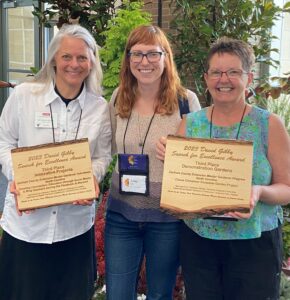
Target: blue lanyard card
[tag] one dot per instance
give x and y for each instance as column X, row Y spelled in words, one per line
column 133, row 174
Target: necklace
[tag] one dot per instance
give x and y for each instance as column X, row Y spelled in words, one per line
column 240, row 124
column 140, row 144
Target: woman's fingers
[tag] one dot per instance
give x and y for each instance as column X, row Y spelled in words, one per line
column 160, row 148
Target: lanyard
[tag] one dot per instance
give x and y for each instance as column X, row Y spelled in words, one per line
column 143, row 144
column 240, row 124
column 51, row 118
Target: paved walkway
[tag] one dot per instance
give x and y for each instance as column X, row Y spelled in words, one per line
column 3, row 186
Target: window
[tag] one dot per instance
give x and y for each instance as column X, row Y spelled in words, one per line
column 281, row 29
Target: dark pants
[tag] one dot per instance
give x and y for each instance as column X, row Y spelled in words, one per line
column 231, row 269
column 58, row 271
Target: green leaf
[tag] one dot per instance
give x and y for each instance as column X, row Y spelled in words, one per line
column 119, row 27
column 197, row 24
column 286, row 5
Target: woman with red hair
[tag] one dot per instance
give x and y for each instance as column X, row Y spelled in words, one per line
column 143, row 108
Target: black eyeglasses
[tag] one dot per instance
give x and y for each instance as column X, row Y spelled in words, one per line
column 231, row 74
column 152, row 56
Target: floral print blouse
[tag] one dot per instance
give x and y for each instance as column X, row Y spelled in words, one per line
column 254, row 127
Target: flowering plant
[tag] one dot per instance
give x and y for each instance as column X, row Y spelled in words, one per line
column 99, row 237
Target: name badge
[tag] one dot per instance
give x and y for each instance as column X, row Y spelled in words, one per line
column 133, row 174
column 43, row 120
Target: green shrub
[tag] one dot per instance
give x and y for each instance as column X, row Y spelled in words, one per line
column 284, row 288
column 281, row 107
column 198, row 23
column 127, row 18
column 93, row 14
column 286, row 236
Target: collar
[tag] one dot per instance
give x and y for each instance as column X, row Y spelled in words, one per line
column 51, row 96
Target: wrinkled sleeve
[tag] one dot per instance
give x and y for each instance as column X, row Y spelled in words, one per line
column 101, row 156
column 113, row 120
column 9, row 133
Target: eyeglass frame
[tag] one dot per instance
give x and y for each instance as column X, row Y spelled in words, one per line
column 146, row 55
column 241, row 72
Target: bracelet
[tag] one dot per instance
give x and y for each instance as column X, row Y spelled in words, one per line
column 10, row 84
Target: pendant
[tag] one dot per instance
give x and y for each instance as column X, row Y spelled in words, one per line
column 140, row 144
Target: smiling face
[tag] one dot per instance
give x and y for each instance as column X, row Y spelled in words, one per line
column 147, row 73
column 73, row 64
column 224, row 89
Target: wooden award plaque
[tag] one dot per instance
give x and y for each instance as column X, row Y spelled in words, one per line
column 53, row 174
column 205, row 177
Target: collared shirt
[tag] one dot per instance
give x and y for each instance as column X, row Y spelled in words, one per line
column 19, row 128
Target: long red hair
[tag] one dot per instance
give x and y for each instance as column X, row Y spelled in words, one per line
column 170, row 86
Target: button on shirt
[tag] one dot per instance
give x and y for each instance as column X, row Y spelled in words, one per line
column 18, row 128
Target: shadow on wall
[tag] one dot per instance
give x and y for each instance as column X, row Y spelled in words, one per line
column 3, row 186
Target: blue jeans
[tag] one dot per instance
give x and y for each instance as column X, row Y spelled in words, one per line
column 126, row 243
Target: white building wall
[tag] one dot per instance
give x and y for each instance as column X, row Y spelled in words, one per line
column 282, row 31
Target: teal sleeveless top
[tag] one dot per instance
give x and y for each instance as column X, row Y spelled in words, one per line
column 265, row 217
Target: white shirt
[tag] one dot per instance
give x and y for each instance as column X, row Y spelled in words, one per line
column 18, row 129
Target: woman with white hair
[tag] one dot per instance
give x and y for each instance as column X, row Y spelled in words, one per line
column 47, row 253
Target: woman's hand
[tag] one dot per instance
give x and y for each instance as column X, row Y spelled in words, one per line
column 89, row 201
column 160, row 148
column 13, row 190
column 255, row 196
column 161, row 144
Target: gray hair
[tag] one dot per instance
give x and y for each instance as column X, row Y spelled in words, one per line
column 234, row 47
column 47, row 72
